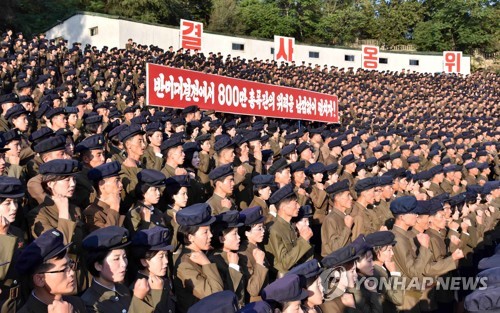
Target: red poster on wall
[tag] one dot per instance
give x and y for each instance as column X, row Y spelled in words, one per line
column 369, row 57
column 179, row 88
column 191, row 33
column 284, row 48
column 452, row 61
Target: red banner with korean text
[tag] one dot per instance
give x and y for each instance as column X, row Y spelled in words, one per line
column 179, row 88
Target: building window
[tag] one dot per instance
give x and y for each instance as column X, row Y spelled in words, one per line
column 238, row 46
column 313, row 55
column 414, row 62
column 94, row 31
column 349, row 58
column 382, row 60
column 272, row 51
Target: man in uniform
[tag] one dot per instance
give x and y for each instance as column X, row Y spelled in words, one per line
column 472, row 172
column 223, row 181
column 172, row 149
column 286, row 248
column 7, row 101
column 437, row 178
column 365, row 219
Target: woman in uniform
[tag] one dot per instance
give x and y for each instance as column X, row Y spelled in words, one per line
column 176, row 195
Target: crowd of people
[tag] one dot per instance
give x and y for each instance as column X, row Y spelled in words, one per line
column 108, row 204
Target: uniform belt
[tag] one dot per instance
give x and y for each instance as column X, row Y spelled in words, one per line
column 9, row 291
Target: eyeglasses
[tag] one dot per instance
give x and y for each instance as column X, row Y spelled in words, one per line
column 70, row 267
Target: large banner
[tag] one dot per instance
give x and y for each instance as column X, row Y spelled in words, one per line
column 369, row 57
column 178, row 88
column 452, row 61
column 191, row 33
column 284, row 48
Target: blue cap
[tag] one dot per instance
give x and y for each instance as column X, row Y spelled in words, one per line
column 263, row 180
column 485, row 300
column 13, row 134
column 309, row 269
column 151, row 178
column 251, row 216
column 305, row 211
column 117, row 130
column 299, row 166
column 288, row 149
column 129, row 132
column 41, row 134
column 371, row 161
column 286, row 289
column 9, row 98
column 404, row 205
column 104, row 171
column 47, row 246
column 256, row 307
column 229, row 219
column 171, row 143
column 282, row 193
column 471, row 165
column 199, row 214
column 365, row 184
column 338, row 187
column 490, row 186
column 155, row 127
column 385, row 180
column 15, row 111
column 360, row 245
column 303, row 146
column 438, row 169
column 380, row 239
column 157, row 239
column 490, row 262
column 413, row 159
column 55, row 143
column 335, row 142
column 221, row 172
column 219, row 302
column 316, row 168
column 11, row 187
column 278, row 165
column 50, row 113
column 106, row 239
column 94, row 142
column 347, row 160
column 223, row 142
column 177, row 181
column 341, row 256
column 93, row 119
column 60, row 167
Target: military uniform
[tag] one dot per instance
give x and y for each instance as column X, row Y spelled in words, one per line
column 86, row 193
column 34, row 305
column 160, row 300
column 134, row 221
column 268, row 217
column 257, row 274
column 215, row 204
column 436, row 189
column 151, row 160
column 11, row 245
column 128, row 176
column 389, row 297
column 232, row 279
column 98, row 215
column 334, row 232
column 365, row 220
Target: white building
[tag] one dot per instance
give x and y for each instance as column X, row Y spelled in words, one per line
column 106, row 30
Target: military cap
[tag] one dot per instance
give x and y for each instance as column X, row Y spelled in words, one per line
column 490, row 186
column 278, row 165
column 256, row 307
column 9, row 98
column 360, row 245
column 152, row 178
column 203, row 138
column 404, row 205
column 335, row 142
column 190, row 109
column 404, row 147
column 380, row 239
column 433, row 153
column 481, row 153
column 94, row 142
column 347, row 160
column 339, row 257
column 482, row 166
column 305, row 211
column 350, row 145
column 299, row 166
column 13, row 134
column 117, row 130
column 177, row 180
column 105, row 170
column 154, row 127
column 114, row 113
column 11, row 187
column 221, row 172
column 395, row 156
column 377, row 149
column 471, row 165
column 331, row 168
column 309, row 269
column 384, row 180
column 485, row 300
column 435, row 170
column 60, row 167
column 157, row 239
column 288, row 149
column 385, row 143
column 220, row 302
column 292, row 136
column 70, row 110
column 282, row 193
column 107, row 239
column 29, row 99
column 452, row 168
column 370, row 139
column 285, row 289
column 130, row 131
column 93, row 119
column 23, row 84
column 41, row 134
column 171, row 143
column 365, row 184
column 223, row 142
column 47, row 246
column 263, row 180
column 130, row 109
column 303, row 146
column 190, row 147
column 229, row 219
column 139, row 120
column 458, row 199
column 371, row 161
column 53, row 112
column 316, row 168
column 428, row 207
column 338, row 187
column 251, row 216
column 55, row 143
column 489, row 262
column 15, row 111
column 199, row 214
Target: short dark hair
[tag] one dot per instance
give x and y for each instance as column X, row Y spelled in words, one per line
column 183, row 234
column 95, row 256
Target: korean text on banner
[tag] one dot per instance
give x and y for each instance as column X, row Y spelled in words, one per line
column 178, row 88
column 191, row 33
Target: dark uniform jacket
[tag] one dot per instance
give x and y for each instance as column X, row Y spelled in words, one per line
column 98, row 215
column 36, row 306
column 162, row 301
column 334, row 232
column 11, row 246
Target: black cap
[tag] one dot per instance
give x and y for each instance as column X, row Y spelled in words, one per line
column 55, row 143
column 60, row 167
column 229, row 219
column 151, row 178
column 278, row 165
column 199, row 214
column 282, row 193
column 380, row 239
column 285, row 289
column 221, row 172
column 404, row 205
column 130, row 132
column 223, row 142
column 263, row 180
column 94, row 142
column 156, row 239
column 309, row 269
column 107, row 239
column 104, row 171
column 220, row 302
column 15, row 111
column 251, row 216
column 338, row 187
column 11, row 187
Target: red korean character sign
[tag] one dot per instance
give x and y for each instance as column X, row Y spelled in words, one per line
column 452, row 61
column 191, row 33
column 284, row 48
column 369, row 57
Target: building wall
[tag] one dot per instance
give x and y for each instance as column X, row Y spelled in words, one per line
column 114, row 32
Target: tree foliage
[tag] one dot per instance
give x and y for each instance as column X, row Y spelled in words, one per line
column 430, row 25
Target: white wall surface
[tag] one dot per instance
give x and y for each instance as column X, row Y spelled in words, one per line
column 114, row 32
